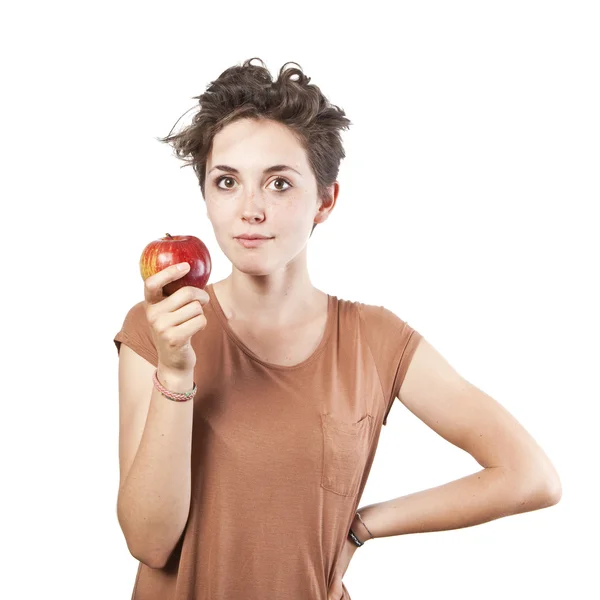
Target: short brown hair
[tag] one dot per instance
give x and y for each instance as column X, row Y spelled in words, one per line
column 249, row 91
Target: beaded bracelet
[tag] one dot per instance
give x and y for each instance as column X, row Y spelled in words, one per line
column 176, row 397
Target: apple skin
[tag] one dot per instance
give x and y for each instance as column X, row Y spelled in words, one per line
column 170, row 250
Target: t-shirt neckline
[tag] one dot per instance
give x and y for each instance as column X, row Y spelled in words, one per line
column 331, row 313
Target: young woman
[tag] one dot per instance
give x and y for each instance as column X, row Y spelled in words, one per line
column 248, row 485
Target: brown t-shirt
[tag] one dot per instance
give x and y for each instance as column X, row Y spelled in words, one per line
column 280, row 454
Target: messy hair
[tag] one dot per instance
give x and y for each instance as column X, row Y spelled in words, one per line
column 249, row 91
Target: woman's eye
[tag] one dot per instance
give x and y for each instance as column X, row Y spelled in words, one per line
column 281, row 179
column 278, row 188
column 223, row 179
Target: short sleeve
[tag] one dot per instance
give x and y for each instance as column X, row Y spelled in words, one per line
column 393, row 343
column 135, row 333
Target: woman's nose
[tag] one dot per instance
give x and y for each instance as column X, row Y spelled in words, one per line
column 254, row 217
column 252, row 207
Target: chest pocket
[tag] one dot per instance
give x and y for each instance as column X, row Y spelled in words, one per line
column 345, row 450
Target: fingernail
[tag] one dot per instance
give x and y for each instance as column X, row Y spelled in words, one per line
column 183, row 266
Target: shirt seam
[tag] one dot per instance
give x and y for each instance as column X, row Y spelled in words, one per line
column 398, row 359
column 364, row 323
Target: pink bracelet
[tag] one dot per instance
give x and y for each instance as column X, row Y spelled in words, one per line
column 173, row 395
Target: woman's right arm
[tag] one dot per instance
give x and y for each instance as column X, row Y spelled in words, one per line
column 155, row 444
column 155, row 433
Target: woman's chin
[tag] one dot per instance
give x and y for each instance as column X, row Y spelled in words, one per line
column 255, row 272
column 252, row 266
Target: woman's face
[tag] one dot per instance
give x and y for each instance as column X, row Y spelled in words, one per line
column 243, row 198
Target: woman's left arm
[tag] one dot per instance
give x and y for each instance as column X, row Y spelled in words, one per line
column 517, row 476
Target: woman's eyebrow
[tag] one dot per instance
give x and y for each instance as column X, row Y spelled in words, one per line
column 266, row 171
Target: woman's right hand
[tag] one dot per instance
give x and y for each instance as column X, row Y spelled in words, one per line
column 174, row 319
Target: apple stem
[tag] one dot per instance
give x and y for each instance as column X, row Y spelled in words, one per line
column 169, row 235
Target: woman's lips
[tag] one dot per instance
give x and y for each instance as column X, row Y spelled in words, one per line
column 253, row 243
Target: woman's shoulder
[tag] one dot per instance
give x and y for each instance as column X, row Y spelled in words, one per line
column 375, row 315
column 378, row 323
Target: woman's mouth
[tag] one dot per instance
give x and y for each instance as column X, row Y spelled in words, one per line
column 253, row 243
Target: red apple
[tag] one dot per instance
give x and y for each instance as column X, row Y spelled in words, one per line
column 170, row 250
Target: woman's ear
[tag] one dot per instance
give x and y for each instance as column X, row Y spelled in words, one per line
column 326, row 206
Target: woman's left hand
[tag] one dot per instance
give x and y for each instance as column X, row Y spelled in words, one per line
column 336, row 592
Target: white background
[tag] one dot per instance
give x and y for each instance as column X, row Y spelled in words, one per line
column 467, row 206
